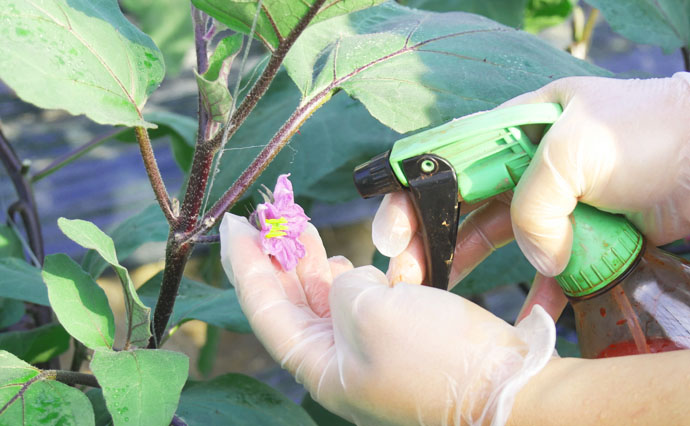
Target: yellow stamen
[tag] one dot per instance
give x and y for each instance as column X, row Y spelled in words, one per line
column 277, row 227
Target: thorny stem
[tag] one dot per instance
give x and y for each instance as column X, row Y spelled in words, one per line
column 200, row 20
column 73, row 378
column 179, row 250
column 67, row 158
column 251, row 173
column 154, row 174
column 267, row 76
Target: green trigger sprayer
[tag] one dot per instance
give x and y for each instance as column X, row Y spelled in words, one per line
column 476, row 157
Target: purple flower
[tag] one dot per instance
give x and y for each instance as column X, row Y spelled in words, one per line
column 281, row 222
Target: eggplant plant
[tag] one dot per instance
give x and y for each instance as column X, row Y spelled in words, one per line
column 336, row 80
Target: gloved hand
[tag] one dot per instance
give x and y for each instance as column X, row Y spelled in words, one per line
column 381, row 355
column 622, row 146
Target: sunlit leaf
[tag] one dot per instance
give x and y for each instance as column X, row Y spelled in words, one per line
column 541, row 14
column 277, row 17
column 173, row 34
column 79, row 303
column 82, row 56
column 141, row 387
column 88, row 235
column 413, row 68
column 28, row 399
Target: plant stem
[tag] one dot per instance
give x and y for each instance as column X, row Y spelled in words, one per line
column 200, row 20
column 685, row 51
column 264, row 81
column 251, row 173
column 154, row 174
column 27, row 205
column 67, row 158
column 73, row 378
column 179, row 249
column 207, row 239
column 79, row 355
column 176, row 256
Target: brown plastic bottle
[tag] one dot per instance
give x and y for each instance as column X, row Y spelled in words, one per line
column 646, row 310
column 628, row 296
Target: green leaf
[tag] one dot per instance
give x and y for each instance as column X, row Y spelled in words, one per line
column 225, row 51
column 82, row 56
column 506, row 265
column 141, row 387
column 195, row 300
column 27, row 399
column 213, row 84
column 240, row 401
column 38, row 345
column 79, row 303
column 321, row 416
column 413, row 69
column 174, row 34
column 507, row 12
column 239, row 15
column 663, row 23
column 338, row 137
column 215, row 98
column 149, row 225
column 21, row 281
column 541, row 14
column 10, row 244
column 11, row 312
column 88, row 235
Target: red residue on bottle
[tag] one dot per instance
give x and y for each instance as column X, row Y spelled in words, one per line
column 629, row 347
column 621, row 322
column 602, row 311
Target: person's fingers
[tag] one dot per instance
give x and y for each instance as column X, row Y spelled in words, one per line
column 292, row 332
column 543, row 201
column 483, row 231
column 546, row 293
column 552, row 92
column 408, row 266
column 394, row 224
column 314, row 271
column 338, row 265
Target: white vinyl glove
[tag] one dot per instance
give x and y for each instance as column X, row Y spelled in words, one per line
column 622, row 146
column 381, row 355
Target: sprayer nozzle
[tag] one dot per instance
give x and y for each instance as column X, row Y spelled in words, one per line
column 376, row 177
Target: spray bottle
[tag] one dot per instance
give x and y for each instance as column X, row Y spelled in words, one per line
column 628, row 296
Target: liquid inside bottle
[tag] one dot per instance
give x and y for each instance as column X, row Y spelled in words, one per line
column 646, row 310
